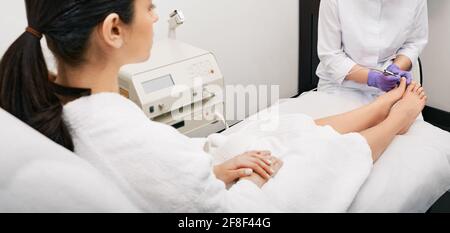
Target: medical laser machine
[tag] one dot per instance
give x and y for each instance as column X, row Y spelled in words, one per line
column 181, row 86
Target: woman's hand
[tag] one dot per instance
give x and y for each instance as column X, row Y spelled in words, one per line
column 260, row 181
column 245, row 165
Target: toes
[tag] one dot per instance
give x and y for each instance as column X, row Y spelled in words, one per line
column 411, row 86
column 422, row 95
column 402, row 85
column 420, row 90
column 416, row 88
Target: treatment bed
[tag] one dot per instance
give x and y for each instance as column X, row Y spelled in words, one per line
column 412, row 174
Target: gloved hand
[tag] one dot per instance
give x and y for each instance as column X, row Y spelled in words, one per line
column 382, row 82
column 396, row 70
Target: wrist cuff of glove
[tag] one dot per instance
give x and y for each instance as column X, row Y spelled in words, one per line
column 371, row 80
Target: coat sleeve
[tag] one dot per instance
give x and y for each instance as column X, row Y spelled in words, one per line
column 418, row 37
column 330, row 48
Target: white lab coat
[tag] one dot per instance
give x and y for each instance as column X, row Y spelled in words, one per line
column 369, row 33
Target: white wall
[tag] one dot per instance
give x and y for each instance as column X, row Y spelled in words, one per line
column 436, row 57
column 12, row 22
column 255, row 41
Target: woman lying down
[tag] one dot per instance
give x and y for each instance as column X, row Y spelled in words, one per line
column 320, row 167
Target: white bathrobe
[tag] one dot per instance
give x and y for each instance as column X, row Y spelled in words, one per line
column 162, row 170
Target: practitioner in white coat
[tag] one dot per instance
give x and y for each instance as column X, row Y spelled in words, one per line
column 359, row 37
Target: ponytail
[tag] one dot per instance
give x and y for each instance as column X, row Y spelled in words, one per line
column 27, row 93
column 25, row 88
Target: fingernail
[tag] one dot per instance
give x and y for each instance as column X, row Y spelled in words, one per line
column 248, row 172
column 273, row 171
column 269, row 162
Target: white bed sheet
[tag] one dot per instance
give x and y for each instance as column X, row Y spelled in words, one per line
column 411, row 175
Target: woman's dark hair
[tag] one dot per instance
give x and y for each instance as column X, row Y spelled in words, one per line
column 25, row 88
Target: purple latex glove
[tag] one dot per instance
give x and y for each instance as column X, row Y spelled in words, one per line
column 396, row 70
column 382, row 82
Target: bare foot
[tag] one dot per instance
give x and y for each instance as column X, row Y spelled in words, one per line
column 387, row 100
column 410, row 106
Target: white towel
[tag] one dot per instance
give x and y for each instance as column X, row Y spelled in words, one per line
column 323, row 170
